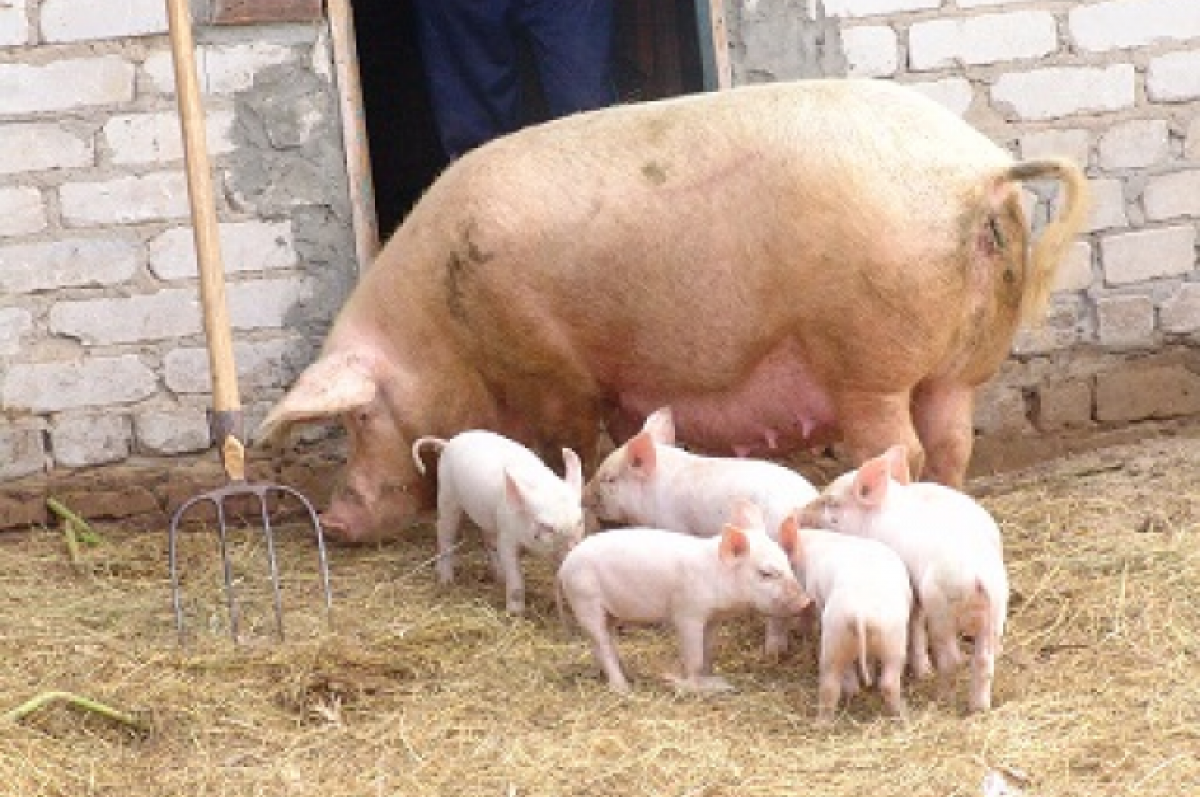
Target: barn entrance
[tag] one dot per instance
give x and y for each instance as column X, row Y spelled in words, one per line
column 658, row 54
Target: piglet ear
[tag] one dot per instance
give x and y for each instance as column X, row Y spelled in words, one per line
column 734, row 543
column 517, row 492
column 661, row 426
column 641, row 454
column 574, row 472
column 789, row 536
column 871, row 482
column 746, row 514
column 897, row 457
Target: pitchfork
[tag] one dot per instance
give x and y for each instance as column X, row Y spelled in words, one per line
column 226, row 417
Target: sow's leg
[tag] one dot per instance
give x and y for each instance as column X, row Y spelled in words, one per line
column 943, row 414
column 872, row 422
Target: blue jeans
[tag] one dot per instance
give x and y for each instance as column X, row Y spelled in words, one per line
column 471, row 48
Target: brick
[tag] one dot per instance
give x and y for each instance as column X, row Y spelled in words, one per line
column 57, row 386
column 1075, row 271
column 156, row 137
column 1134, row 145
column 954, row 93
column 1191, row 149
column 1126, row 393
column 983, row 39
column 866, row 8
column 130, row 319
column 260, row 366
column 22, row 211
column 1170, row 196
column 985, row 3
column 1060, row 329
column 1125, row 322
column 871, row 51
column 1174, row 77
column 246, row 246
column 22, row 507
column 72, row 21
column 222, row 69
column 68, row 263
column 1108, row 206
column 1063, row 405
column 1180, row 313
column 37, row 147
column 1000, row 409
column 22, row 452
column 94, row 439
column 180, row 431
column 1138, row 256
column 1056, row 92
column 1120, row 24
column 125, row 200
column 65, row 85
column 1073, row 143
column 267, row 303
column 14, row 23
column 15, row 324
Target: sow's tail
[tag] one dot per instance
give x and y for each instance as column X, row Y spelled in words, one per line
column 436, row 442
column 1051, row 246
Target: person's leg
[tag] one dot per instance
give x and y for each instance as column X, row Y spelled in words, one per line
column 573, row 45
column 470, row 59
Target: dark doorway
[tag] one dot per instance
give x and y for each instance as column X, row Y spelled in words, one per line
column 657, row 55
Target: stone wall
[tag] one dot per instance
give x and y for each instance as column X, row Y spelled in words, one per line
column 1114, row 84
column 102, row 356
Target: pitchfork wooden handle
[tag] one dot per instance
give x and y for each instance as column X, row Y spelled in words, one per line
column 226, row 403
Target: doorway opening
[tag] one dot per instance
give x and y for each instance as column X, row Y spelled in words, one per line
column 657, row 52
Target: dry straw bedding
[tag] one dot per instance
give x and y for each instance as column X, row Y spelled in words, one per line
column 420, row 691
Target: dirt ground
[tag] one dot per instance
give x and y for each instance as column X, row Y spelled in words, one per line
column 415, row 690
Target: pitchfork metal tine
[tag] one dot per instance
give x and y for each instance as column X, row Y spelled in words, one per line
column 217, row 498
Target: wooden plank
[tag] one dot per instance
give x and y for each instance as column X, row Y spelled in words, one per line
column 714, row 44
column 253, row 12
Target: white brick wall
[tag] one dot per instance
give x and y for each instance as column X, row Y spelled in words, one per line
column 14, row 23
column 1133, row 23
column 65, row 85
column 74, row 21
column 1135, row 257
column 985, row 39
column 1056, row 92
column 1174, row 77
column 97, row 262
column 44, row 145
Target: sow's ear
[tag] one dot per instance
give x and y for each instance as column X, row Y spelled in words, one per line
column 333, row 385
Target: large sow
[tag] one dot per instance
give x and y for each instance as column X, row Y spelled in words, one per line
column 784, row 265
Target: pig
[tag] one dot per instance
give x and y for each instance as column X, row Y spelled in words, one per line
column 861, row 590
column 649, row 482
column 785, row 265
column 952, row 548
column 516, row 501
column 648, row 575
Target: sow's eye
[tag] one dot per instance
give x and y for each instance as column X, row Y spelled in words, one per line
column 768, row 574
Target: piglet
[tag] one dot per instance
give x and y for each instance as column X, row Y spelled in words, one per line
column 650, row 482
column 861, row 590
column 648, row 575
column 951, row 547
column 517, row 502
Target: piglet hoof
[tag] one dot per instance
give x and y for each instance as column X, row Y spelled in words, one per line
column 825, row 718
column 922, row 667
column 445, row 573
column 515, row 605
column 619, row 687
